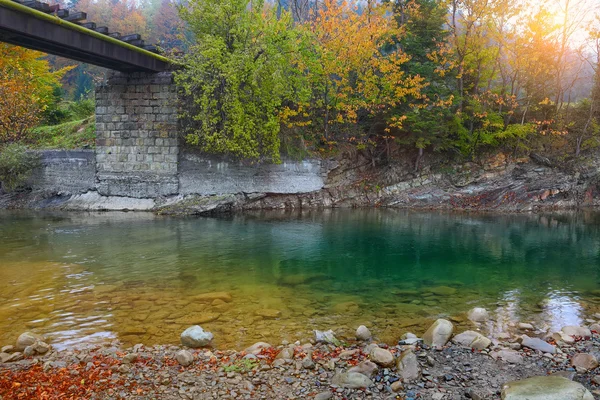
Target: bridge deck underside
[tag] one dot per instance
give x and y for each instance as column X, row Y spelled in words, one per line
column 37, row 34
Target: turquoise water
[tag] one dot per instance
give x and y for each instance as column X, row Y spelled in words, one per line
column 89, row 278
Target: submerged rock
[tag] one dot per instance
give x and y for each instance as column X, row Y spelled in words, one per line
column 478, row 314
column 195, row 337
column 299, row 279
column 545, row 388
column 363, row 333
column 210, row 297
column 268, row 313
column 472, row 339
column 351, row 380
column 441, row 290
column 439, row 333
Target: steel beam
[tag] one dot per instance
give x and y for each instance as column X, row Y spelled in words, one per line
column 27, row 30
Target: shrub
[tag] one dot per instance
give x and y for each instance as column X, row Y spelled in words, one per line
column 16, row 165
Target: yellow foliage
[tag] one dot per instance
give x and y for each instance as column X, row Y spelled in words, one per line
column 26, row 87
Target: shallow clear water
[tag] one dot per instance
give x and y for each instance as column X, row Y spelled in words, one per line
column 88, row 278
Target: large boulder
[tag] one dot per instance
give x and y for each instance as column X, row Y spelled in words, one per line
column 545, row 388
column 439, row 333
column 351, row 380
column 472, row 339
column 478, row 314
column 195, row 337
column 408, row 366
column 27, row 339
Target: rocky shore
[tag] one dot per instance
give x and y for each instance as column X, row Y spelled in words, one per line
column 440, row 364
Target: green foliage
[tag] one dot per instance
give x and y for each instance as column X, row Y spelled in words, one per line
column 238, row 74
column 64, row 111
column 16, row 165
column 241, row 366
column 68, row 135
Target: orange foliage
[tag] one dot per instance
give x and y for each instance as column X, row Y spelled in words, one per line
column 357, row 65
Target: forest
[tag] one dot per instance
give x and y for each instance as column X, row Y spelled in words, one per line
column 307, row 77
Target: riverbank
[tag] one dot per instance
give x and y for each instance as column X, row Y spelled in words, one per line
column 209, row 186
column 468, row 366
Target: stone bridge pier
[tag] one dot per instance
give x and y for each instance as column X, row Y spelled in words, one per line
column 137, row 144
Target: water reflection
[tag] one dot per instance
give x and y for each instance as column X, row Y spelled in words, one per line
column 85, row 278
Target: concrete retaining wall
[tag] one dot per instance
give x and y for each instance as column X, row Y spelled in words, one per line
column 74, row 172
column 206, row 175
column 69, row 172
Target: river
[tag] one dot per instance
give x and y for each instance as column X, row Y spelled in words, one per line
column 89, row 278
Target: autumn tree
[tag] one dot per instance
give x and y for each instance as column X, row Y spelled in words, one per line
column 26, row 89
column 355, row 69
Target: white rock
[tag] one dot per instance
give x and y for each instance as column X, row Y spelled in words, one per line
column 287, row 353
column 525, row 326
column 382, row 357
column 537, row 344
column 472, row 339
column 366, row 367
column 351, row 380
column 184, row 357
column 584, row 361
column 439, row 333
column 363, row 333
column 510, row 356
column 257, row 347
column 326, row 337
column 572, row 330
column 408, row 366
column 195, row 337
column 561, row 336
column 478, row 314
column 545, row 388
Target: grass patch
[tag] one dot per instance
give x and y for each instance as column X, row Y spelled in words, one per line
column 68, row 135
